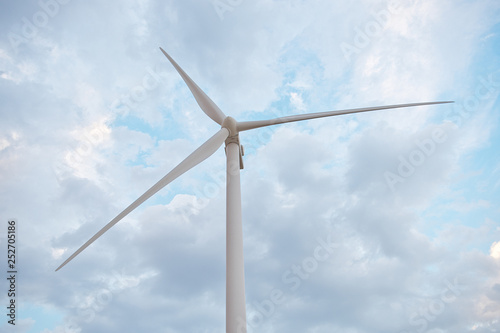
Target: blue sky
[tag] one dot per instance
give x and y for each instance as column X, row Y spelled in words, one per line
column 402, row 203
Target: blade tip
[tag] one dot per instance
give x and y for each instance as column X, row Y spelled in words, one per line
column 164, row 52
column 63, row 264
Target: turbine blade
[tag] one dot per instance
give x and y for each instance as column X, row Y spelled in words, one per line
column 198, row 156
column 248, row 125
column 205, row 103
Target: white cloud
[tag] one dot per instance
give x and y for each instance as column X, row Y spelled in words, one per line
column 324, row 178
column 57, row 253
column 297, row 102
column 4, row 144
column 495, row 250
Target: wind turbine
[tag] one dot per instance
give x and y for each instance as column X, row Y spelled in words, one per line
column 235, row 278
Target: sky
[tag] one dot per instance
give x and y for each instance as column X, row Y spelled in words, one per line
column 384, row 221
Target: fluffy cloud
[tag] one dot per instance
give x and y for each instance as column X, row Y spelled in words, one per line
column 92, row 115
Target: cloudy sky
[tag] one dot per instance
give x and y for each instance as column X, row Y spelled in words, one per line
column 376, row 222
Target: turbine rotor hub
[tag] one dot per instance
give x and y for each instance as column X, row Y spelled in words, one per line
column 231, row 124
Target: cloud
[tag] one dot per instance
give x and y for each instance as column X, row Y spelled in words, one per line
column 93, row 115
column 495, row 250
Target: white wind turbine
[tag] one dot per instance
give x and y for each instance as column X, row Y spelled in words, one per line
column 235, row 279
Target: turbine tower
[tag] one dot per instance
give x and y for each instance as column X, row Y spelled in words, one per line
column 229, row 133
